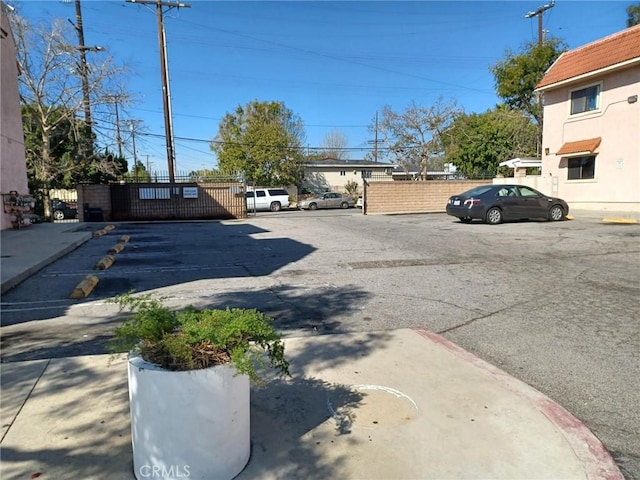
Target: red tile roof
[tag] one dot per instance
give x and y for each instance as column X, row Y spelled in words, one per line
column 581, row 146
column 606, row 52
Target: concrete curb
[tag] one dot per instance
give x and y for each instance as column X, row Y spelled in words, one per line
column 12, row 282
column 597, row 461
column 625, row 221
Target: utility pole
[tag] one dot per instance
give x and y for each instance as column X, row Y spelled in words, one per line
column 132, row 127
column 116, row 101
column 164, row 71
column 538, row 13
column 84, row 75
column 375, row 142
column 541, row 34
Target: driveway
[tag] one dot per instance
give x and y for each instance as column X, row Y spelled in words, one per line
column 553, row 304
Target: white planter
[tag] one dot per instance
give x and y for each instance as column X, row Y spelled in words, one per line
column 192, row 424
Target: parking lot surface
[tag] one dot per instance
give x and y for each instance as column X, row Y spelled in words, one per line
column 553, row 304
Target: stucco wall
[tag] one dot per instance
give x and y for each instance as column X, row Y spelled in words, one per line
column 319, row 179
column 616, row 185
column 13, row 168
column 414, row 197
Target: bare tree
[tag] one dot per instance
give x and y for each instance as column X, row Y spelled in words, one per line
column 413, row 137
column 334, row 145
column 50, row 86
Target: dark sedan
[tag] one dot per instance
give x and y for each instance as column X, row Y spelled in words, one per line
column 496, row 203
column 61, row 209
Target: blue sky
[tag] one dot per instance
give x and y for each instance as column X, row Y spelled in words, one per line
column 333, row 63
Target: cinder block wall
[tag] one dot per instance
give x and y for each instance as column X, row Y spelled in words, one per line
column 96, row 196
column 414, row 197
column 213, row 199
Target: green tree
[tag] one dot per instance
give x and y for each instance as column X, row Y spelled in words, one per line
column 476, row 143
column 633, row 15
column 204, row 175
column 59, row 149
column 64, row 143
column 414, row 136
column 138, row 174
column 517, row 75
column 264, row 140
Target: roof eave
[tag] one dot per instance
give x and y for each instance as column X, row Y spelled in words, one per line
column 584, row 76
column 346, row 166
column 575, row 154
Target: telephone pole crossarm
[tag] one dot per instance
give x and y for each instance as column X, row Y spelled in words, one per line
column 164, row 72
column 84, row 76
column 538, row 13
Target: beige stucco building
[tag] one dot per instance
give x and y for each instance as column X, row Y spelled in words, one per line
column 13, row 168
column 332, row 175
column 591, row 133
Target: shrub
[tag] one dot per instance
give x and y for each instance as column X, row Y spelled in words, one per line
column 352, row 188
column 191, row 339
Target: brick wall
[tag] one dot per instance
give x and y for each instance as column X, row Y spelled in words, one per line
column 414, row 197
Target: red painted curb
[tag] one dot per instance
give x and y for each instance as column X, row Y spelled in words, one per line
column 597, row 461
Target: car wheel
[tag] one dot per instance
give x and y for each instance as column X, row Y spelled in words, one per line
column 556, row 213
column 313, row 206
column 58, row 215
column 465, row 219
column 494, row 216
column 275, row 207
column 344, row 205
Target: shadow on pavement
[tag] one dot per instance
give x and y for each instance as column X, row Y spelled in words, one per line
column 302, row 311
column 75, row 424
column 156, row 256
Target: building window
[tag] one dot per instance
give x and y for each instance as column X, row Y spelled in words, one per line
column 366, row 173
column 343, row 173
column 581, row 168
column 585, row 99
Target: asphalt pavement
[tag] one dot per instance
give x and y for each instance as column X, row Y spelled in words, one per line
column 390, row 404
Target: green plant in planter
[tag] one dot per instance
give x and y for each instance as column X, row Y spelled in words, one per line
column 192, row 339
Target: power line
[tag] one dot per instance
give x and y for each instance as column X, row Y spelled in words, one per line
column 538, row 13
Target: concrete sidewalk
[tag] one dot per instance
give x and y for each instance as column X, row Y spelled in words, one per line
column 380, row 405
column 27, row 250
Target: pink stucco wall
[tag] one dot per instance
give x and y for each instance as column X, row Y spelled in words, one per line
column 13, row 169
column 616, row 186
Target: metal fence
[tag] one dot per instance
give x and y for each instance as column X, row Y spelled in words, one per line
column 179, row 177
column 430, row 175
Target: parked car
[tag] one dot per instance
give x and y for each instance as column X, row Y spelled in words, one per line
column 61, row 209
column 496, row 203
column 327, row 200
column 273, row 199
column 359, row 203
